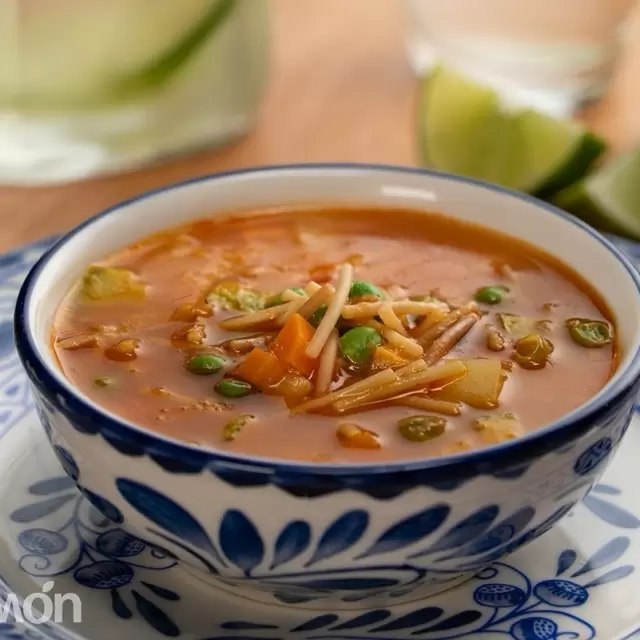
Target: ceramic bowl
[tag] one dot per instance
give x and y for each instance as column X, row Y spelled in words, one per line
column 303, row 533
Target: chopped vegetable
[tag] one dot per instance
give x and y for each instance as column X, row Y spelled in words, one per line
column 262, row 369
column 533, row 351
column 256, row 319
column 422, row 428
column 230, row 388
column 375, row 381
column 358, row 345
column 322, row 273
column 123, row 351
column 385, row 358
column 242, row 346
column 234, row 295
column 232, row 429
column 481, row 386
column 423, row 403
column 109, row 283
column 205, row 364
column 274, row 301
column 77, row 342
column 494, row 294
column 294, row 389
column 103, row 381
column 592, row 334
column 426, row 333
column 191, row 311
column 449, row 338
column 494, row 339
column 520, row 326
column 499, row 428
column 291, row 343
column 361, row 288
column 317, row 315
column 415, row 375
column 191, row 335
column 351, row 436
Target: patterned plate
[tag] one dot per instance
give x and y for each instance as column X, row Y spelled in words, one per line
column 580, row 581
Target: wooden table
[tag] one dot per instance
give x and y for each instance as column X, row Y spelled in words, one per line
column 340, row 90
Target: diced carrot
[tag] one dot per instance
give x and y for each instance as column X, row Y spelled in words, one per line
column 260, row 369
column 290, row 344
column 385, row 358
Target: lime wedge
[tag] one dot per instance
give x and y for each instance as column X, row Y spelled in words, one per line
column 609, row 198
column 465, row 129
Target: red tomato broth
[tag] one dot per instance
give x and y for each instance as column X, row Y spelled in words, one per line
column 275, row 250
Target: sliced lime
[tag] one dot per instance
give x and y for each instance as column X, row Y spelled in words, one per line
column 609, row 198
column 464, row 129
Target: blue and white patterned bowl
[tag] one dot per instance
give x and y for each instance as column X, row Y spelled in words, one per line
column 333, row 535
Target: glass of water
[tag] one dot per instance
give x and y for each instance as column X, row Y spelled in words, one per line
column 97, row 86
column 554, row 55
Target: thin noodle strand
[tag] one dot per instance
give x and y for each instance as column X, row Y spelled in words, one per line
column 334, row 310
column 327, row 365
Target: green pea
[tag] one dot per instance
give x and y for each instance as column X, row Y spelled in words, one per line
column 421, row 428
column 205, row 364
column 359, row 343
column 533, row 351
column 274, row 301
column 104, row 381
column 318, row 314
column 364, row 288
column 231, row 388
column 592, row 334
column 493, row 294
column 232, row 429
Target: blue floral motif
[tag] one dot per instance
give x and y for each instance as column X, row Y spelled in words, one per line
column 15, row 398
column 476, row 541
column 66, row 460
column 601, row 503
column 561, row 593
column 105, row 557
column 593, row 456
column 499, row 595
column 508, row 603
column 535, row 628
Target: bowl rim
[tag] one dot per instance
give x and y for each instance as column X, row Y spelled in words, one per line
column 562, row 430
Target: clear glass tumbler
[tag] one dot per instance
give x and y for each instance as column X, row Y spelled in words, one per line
column 554, row 55
column 98, row 86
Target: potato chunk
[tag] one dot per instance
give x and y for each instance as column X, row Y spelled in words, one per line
column 519, row 326
column 480, row 387
column 111, row 283
column 498, row 428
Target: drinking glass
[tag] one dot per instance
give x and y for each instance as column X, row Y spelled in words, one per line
column 554, row 55
column 96, row 86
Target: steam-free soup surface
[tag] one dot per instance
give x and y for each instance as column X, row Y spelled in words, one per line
column 475, row 338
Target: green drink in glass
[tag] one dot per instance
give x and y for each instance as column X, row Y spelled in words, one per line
column 90, row 87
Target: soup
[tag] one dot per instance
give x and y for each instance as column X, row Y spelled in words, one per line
column 335, row 335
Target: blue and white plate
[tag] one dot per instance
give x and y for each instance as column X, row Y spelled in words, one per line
column 60, row 559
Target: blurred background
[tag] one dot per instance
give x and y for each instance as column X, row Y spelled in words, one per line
column 100, row 101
